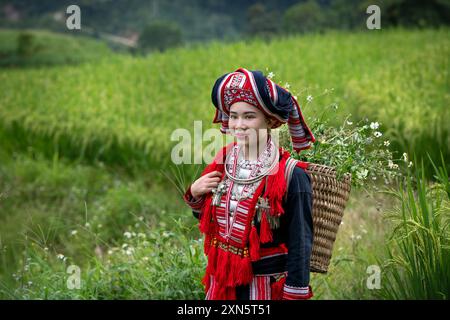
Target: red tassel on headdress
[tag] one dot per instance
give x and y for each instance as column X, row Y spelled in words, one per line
column 265, row 233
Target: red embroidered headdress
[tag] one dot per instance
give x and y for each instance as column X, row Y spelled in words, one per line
column 274, row 101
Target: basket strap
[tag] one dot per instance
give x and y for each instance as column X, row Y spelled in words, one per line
column 288, row 171
column 291, row 163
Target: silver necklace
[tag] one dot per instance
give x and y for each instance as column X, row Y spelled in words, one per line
column 273, row 163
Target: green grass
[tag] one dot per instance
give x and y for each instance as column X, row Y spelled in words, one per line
column 419, row 247
column 48, row 199
column 151, row 264
column 36, row 48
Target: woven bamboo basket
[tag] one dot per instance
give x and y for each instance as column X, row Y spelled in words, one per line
column 330, row 197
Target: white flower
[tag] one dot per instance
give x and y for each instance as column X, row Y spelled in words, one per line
column 271, row 75
column 362, row 174
column 374, row 125
column 410, row 164
column 349, row 123
column 129, row 251
column 87, row 224
column 74, row 232
column 358, row 237
column 61, row 257
column 145, row 258
column 141, row 218
column 377, row 134
column 405, row 157
column 287, row 85
column 127, row 235
column 387, row 143
column 309, row 98
column 390, row 164
column 110, row 252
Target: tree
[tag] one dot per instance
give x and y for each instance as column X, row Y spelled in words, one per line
column 304, row 17
column 160, row 35
column 262, row 23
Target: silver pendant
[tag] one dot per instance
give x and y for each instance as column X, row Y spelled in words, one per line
column 221, row 188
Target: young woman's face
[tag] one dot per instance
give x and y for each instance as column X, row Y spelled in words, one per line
column 247, row 123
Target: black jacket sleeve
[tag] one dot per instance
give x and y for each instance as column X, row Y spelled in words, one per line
column 299, row 228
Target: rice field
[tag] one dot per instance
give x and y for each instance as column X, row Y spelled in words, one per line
column 123, row 110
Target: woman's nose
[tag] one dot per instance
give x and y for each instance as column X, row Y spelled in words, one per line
column 240, row 124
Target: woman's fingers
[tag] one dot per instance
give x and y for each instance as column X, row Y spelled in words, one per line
column 212, row 186
column 214, row 174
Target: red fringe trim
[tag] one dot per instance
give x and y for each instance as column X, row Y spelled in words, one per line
column 206, row 281
column 231, row 270
column 254, row 244
column 222, row 269
column 276, row 187
column 212, row 260
column 245, row 271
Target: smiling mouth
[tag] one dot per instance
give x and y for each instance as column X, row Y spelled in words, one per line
column 239, row 135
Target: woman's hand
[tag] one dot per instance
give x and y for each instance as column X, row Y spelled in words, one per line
column 205, row 184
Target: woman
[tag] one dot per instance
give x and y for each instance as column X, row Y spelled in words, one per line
column 258, row 227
